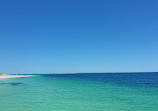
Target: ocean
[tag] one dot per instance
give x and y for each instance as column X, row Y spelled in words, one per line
column 81, row 92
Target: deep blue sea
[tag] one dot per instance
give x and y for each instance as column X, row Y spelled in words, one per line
column 81, row 92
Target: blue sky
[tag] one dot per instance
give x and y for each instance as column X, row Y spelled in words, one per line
column 47, row 36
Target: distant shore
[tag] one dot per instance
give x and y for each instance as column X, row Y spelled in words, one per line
column 4, row 76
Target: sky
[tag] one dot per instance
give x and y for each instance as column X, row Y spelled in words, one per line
column 63, row 36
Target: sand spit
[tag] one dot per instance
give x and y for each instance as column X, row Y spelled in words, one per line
column 4, row 76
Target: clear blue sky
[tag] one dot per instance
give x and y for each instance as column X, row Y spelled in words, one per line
column 46, row 36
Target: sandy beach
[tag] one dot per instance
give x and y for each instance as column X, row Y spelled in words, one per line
column 4, row 76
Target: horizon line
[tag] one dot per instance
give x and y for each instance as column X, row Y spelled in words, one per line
column 82, row 72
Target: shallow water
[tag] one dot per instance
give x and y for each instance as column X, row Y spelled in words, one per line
column 81, row 92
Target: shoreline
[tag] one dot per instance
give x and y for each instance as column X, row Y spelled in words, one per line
column 4, row 76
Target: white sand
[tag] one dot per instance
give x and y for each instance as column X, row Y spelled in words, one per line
column 4, row 76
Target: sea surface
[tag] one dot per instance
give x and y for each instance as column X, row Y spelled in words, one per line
column 81, row 92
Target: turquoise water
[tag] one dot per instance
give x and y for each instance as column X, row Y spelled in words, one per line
column 81, row 92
